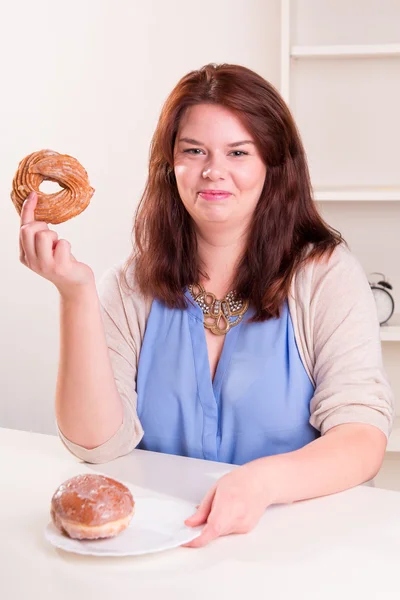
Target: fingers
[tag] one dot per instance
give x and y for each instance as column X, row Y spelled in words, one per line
column 203, row 510
column 209, row 533
column 225, row 511
column 44, row 242
column 204, row 514
column 27, row 236
column 22, row 257
column 28, row 209
column 37, row 242
column 62, row 253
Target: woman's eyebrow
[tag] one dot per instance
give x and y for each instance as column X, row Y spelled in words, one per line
column 197, row 143
column 191, row 141
column 240, row 143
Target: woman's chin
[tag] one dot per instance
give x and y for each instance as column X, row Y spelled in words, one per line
column 216, row 214
column 220, row 219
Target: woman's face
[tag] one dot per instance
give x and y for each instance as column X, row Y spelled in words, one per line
column 214, row 153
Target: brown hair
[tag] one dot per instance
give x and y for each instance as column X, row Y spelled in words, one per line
column 286, row 227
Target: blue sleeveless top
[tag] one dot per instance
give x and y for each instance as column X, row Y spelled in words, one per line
column 257, row 405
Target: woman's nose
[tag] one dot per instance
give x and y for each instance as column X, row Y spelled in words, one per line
column 213, row 171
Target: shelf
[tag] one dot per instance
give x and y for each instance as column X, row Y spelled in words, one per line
column 348, row 51
column 394, row 439
column 351, row 194
column 390, row 333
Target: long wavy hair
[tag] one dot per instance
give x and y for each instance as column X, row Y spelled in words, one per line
column 286, row 228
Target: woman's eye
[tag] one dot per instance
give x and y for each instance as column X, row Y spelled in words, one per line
column 197, row 151
column 192, row 151
column 240, row 153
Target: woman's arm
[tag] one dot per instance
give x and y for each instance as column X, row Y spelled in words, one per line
column 105, row 335
column 88, row 407
column 340, row 333
column 352, row 406
column 346, row 456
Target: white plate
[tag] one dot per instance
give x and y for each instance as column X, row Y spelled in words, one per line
column 158, row 524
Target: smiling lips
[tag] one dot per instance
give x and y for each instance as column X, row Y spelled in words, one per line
column 214, row 194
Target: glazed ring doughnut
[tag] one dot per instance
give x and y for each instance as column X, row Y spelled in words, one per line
column 92, row 506
column 52, row 166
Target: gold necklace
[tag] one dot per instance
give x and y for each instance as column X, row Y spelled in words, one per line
column 219, row 315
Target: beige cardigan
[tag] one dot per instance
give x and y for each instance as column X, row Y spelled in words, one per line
column 336, row 331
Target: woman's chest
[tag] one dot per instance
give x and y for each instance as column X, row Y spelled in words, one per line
column 230, row 398
column 215, row 344
column 180, row 358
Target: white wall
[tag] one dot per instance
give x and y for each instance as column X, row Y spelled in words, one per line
column 88, row 78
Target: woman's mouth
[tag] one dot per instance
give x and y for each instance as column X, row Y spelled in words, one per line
column 214, row 194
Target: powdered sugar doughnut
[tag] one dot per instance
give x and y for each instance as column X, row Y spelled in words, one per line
column 91, row 507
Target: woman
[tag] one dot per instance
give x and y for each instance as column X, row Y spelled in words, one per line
column 241, row 329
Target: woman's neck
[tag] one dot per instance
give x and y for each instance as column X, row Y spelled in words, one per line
column 219, row 254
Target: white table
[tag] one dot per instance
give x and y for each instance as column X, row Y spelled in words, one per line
column 342, row 546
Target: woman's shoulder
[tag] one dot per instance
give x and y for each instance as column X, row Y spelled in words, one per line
column 117, row 287
column 331, row 298
column 335, row 267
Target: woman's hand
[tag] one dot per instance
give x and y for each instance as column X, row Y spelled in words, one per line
column 42, row 252
column 234, row 504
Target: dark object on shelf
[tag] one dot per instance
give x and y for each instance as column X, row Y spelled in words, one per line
column 383, row 298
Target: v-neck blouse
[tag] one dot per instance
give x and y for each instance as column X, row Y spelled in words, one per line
column 257, row 405
column 278, row 385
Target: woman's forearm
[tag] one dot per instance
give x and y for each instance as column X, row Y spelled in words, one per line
column 88, row 407
column 346, row 456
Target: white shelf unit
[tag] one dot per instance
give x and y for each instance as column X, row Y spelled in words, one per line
column 394, row 439
column 348, row 194
column 389, row 333
column 340, row 51
column 346, row 51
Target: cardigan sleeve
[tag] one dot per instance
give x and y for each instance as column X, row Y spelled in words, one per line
column 124, row 318
column 350, row 382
